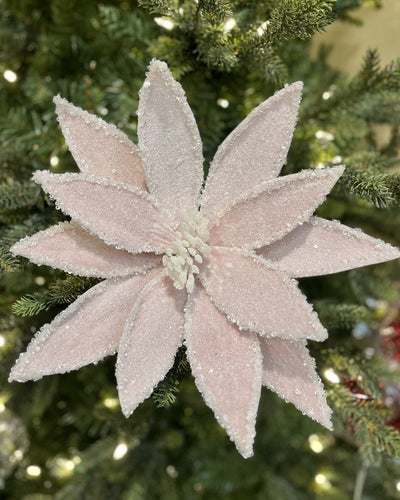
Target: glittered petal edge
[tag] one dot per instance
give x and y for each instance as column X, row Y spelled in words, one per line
column 257, row 297
column 322, row 246
column 87, row 331
column 153, row 332
column 120, row 214
column 290, row 371
column 209, row 343
column 170, row 142
column 72, row 249
column 99, row 148
column 254, row 152
column 273, row 209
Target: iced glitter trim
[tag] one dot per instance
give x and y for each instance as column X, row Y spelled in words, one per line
column 72, row 249
column 173, row 172
column 264, row 136
column 322, row 246
column 153, row 332
column 206, row 369
column 273, row 209
column 254, row 288
column 290, row 371
column 61, row 347
column 99, row 148
column 120, row 214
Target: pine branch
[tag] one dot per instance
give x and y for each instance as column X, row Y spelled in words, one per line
column 8, row 262
column 341, row 316
column 164, row 394
column 159, row 7
column 60, row 292
column 15, row 194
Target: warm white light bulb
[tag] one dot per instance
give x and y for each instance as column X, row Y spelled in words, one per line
column 331, row 376
column 320, row 479
column 10, row 76
column 224, row 103
column 54, row 160
column 33, row 470
column 120, row 451
column 165, row 23
column 229, row 25
column 315, row 443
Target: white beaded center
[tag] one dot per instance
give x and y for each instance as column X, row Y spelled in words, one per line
column 188, row 248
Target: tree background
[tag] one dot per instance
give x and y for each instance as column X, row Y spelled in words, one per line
column 64, row 437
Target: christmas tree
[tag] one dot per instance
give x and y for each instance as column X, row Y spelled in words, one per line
column 64, row 436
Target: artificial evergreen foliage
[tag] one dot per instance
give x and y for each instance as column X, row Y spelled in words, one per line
column 64, row 437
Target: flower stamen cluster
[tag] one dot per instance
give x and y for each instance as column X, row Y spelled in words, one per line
column 187, row 250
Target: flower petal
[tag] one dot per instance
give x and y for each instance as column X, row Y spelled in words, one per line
column 87, row 331
column 152, row 335
column 322, row 246
column 274, row 209
column 289, row 370
column 99, row 148
column 254, row 152
column 257, row 297
column 69, row 247
column 226, row 364
column 170, row 143
column 120, row 214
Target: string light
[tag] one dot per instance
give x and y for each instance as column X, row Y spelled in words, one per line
column 111, row 403
column 2, row 341
column 315, row 443
column 10, row 76
column 398, row 486
column 331, row 376
column 323, row 135
column 224, row 103
column 120, row 451
column 171, row 471
column 165, row 23
column 2, row 407
column 262, row 28
column 323, row 481
column 229, row 25
column 33, row 470
column 54, row 160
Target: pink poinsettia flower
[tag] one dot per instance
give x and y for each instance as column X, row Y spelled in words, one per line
column 212, row 269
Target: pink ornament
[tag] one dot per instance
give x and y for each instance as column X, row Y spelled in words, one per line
column 212, row 269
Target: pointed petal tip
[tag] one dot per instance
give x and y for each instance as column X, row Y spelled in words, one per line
column 41, row 175
column 58, row 100
column 246, row 452
column 296, row 86
column 157, row 65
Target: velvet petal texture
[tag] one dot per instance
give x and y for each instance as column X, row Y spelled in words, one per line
column 226, row 364
column 99, row 148
column 258, row 298
column 169, row 142
column 120, row 214
column 289, row 370
column 322, row 246
column 72, row 249
column 274, row 209
column 254, row 152
column 152, row 335
column 85, row 332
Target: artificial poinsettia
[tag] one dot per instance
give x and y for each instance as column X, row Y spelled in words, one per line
column 213, row 269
